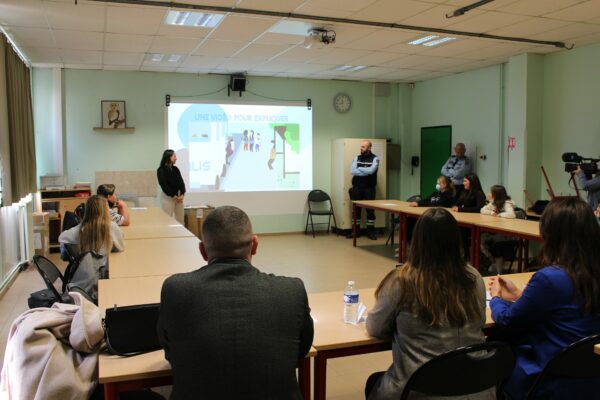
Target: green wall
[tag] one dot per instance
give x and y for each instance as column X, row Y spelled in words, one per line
column 87, row 151
column 471, row 103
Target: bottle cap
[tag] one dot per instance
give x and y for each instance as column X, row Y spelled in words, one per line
column 351, row 283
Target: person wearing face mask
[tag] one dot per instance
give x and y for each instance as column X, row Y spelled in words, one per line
column 441, row 197
column 500, row 205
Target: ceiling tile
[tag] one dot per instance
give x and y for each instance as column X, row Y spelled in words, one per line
column 579, row 12
column 299, row 54
column 530, row 27
column 458, row 47
column 346, row 6
column 234, row 27
column 193, row 70
column 496, row 51
column 274, row 67
column 42, row 55
column 173, row 45
column 119, row 58
column 260, row 52
column 136, row 20
column 184, row 31
column 22, row 13
column 537, row 7
column 311, row 68
column 80, row 57
column 345, row 34
column 486, row 22
column 568, row 32
column 154, row 68
column 83, row 66
column 85, row 17
column 435, row 17
column 375, row 58
column 271, row 5
column 380, row 39
column 219, row 48
column 78, row 40
column 132, row 43
column 32, row 37
column 411, row 61
column 279, row 38
column 391, row 10
column 108, row 67
column 401, row 74
column 372, row 72
column 238, row 65
column 202, row 62
column 338, row 56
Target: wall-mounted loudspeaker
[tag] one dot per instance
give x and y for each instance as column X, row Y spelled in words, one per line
column 237, row 83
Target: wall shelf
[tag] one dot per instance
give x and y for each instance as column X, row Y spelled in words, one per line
column 97, row 128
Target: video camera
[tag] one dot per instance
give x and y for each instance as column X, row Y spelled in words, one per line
column 588, row 165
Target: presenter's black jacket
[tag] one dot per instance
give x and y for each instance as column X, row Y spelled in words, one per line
column 233, row 332
column 170, row 180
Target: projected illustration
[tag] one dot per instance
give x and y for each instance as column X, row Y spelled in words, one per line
column 232, row 147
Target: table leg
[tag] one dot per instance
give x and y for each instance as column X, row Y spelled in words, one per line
column 111, row 391
column 320, row 377
column 304, row 377
column 475, row 253
column 402, row 240
column 353, row 224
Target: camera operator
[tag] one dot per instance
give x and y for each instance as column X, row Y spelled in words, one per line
column 591, row 186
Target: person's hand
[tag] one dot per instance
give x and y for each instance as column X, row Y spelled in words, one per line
column 455, row 208
column 413, row 204
column 504, row 288
column 577, row 170
column 121, row 204
column 494, row 214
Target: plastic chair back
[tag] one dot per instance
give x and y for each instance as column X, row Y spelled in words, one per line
column 463, row 371
column 49, row 273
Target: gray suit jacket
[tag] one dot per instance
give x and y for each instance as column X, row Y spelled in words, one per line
column 233, row 332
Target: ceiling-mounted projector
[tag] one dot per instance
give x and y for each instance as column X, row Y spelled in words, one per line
column 319, row 37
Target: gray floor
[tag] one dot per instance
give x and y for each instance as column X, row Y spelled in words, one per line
column 324, row 263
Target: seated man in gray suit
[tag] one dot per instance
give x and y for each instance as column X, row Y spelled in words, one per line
column 229, row 330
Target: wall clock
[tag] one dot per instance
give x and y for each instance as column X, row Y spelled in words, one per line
column 342, row 103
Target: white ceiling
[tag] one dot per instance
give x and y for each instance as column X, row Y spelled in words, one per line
column 110, row 36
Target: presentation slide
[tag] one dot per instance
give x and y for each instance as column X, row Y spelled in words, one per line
column 242, row 147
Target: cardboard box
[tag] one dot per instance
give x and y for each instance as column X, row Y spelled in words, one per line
column 194, row 218
column 41, row 218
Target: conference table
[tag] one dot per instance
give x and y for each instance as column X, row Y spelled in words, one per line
column 333, row 338
column 152, row 222
column 150, row 369
column 156, row 256
column 524, row 230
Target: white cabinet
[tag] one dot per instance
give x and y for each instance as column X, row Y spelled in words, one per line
column 343, row 152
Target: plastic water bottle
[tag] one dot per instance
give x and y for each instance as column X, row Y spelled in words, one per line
column 350, row 303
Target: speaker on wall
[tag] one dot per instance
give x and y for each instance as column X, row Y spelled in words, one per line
column 237, row 83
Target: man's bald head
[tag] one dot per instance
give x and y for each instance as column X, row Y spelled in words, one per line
column 365, row 147
column 460, row 149
column 227, row 232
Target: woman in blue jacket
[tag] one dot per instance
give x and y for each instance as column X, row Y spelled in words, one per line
column 559, row 305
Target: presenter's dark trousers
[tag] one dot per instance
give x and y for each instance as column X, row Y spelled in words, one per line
column 364, row 193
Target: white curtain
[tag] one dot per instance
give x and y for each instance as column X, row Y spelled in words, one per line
column 15, row 238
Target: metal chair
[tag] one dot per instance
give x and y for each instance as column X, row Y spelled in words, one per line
column 463, row 371
column 575, row 361
column 319, row 204
column 50, row 273
column 395, row 220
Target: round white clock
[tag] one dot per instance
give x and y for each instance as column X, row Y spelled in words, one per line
column 342, row 103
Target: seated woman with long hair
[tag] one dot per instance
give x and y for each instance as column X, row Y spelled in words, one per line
column 432, row 304
column 559, row 305
column 96, row 232
column 472, row 198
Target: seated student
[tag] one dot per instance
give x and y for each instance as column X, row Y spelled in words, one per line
column 472, row 198
column 441, row 197
column 96, row 233
column 432, row 304
column 229, row 330
column 500, row 205
column 121, row 214
column 559, row 305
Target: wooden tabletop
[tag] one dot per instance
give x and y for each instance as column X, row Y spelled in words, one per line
column 521, row 227
column 151, row 223
column 164, row 256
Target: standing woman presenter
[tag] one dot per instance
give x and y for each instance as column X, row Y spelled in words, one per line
column 172, row 185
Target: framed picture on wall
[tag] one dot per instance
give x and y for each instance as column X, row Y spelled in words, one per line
column 113, row 114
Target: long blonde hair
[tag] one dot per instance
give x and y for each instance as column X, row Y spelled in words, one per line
column 435, row 284
column 94, row 231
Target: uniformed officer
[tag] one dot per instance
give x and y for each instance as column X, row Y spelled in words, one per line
column 457, row 166
column 364, row 179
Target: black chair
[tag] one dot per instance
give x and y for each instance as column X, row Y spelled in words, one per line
column 576, row 361
column 50, row 273
column 319, row 204
column 463, row 371
column 509, row 249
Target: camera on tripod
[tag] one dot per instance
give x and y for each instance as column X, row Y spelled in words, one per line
column 588, row 165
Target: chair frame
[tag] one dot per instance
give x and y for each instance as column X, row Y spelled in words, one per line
column 324, row 197
column 577, row 360
column 460, row 372
column 47, row 280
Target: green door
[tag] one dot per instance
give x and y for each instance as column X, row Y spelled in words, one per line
column 436, row 145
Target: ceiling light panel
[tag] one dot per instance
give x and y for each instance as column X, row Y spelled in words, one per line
column 192, row 19
column 423, row 39
column 439, row 41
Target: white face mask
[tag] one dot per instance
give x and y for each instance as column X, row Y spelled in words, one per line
column 438, row 187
